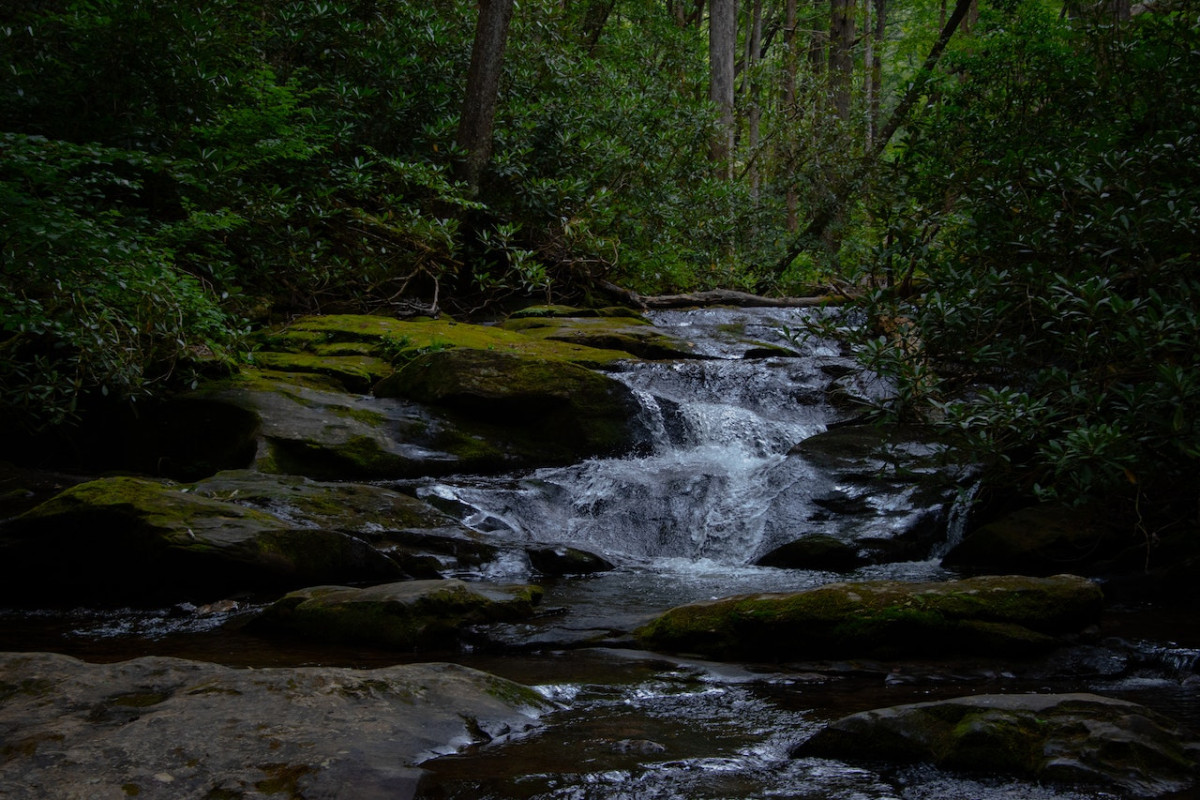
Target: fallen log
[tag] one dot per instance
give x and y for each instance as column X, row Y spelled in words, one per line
column 716, row 297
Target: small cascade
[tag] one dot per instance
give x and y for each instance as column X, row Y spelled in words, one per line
column 957, row 519
column 718, row 427
column 715, row 481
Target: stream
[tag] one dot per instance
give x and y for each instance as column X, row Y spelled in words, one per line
column 712, row 490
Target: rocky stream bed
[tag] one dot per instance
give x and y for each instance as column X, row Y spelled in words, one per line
column 570, row 555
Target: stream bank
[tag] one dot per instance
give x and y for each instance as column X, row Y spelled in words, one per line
column 739, row 449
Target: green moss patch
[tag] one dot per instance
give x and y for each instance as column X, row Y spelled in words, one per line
column 1013, row 614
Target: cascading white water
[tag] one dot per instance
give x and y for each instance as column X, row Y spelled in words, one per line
column 716, row 485
column 721, row 428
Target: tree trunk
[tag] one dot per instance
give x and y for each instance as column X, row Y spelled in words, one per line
column 753, row 111
column 841, row 63
column 595, row 15
column 483, row 85
column 722, row 56
column 876, row 67
column 790, row 106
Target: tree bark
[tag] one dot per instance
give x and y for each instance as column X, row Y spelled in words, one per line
column 722, row 56
column 716, row 297
column 753, row 111
column 841, row 63
column 483, row 85
column 790, row 106
column 830, row 210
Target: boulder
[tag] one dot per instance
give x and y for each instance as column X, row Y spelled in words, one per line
column 1041, row 540
column 535, row 409
column 132, row 539
column 631, row 335
column 819, row 552
column 1059, row 738
column 167, row 728
column 1011, row 614
column 412, row 615
column 885, row 492
column 561, row 559
column 398, row 341
column 305, row 408
column 327, row 433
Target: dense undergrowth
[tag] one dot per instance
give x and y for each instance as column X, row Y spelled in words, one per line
column 172, row 174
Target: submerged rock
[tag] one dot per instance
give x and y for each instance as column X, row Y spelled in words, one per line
column 166, row 728
column 404, row 616
column 1010, row 614
column 1061, row 738
column 132, row 539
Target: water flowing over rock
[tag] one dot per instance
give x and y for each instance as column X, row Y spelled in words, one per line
column 1015, row 615
column 171, row 729
column 1060, row 738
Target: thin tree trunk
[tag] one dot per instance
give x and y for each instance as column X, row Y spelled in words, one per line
column 790, row 41
column 483, row 84
column 841, row 64
column 722, row 57
column 753, row 111
column 830, row 210
column 876, row 67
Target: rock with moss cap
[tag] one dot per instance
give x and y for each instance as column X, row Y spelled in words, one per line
column 167, row 728
column 411, row 615
column 1068, row 739
column 131, row 539
column 1011, row 614
column 632, row 335
column 305, row 409
column 399, row 340
column 536, row 410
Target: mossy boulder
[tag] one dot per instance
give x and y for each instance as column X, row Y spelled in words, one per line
column 399, row 340
column 1070, row 739
column 169, row 729
column 536, row 409
column 356, row 508
column 130, row 539
column 631, row 335
column 1041, row 540
column 1010, row 614
column 553, row 310
column 326, row 433
column 410, row 615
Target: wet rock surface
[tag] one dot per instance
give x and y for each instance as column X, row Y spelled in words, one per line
column 1070, row 739
column 136, row 539
column 410, row 615
column 182, row 730
column 1011, row 614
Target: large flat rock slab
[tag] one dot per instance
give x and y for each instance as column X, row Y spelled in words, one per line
column 171, row 729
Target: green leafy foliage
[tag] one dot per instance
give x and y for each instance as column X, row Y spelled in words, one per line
column 1057, row 330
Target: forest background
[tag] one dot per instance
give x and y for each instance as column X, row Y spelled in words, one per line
column 1006, row 194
